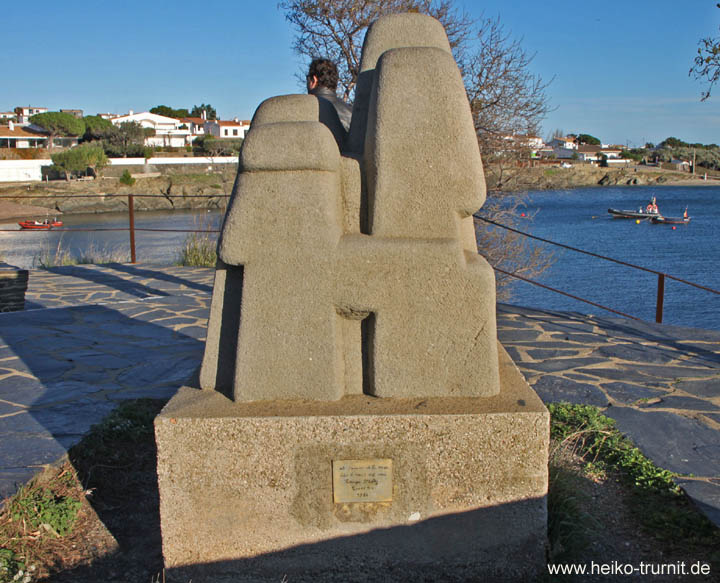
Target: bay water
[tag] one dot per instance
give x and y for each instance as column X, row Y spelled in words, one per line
column 577, row 217
column 28, row 249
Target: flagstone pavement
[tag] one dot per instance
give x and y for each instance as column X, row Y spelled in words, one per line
column 92, row 336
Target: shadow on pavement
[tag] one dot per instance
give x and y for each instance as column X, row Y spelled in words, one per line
column 64, row 370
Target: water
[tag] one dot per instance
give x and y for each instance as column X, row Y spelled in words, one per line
column 579, row 218
column 26, row 248
column 575, row 217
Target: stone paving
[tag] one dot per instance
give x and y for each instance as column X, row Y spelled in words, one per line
column 92, row 336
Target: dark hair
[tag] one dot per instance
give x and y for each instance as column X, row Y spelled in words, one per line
column 326, row 73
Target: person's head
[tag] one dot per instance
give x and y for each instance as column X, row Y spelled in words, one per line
column 322, row 73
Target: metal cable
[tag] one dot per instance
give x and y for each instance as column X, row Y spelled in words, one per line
column 626, row 264
column 565, row 294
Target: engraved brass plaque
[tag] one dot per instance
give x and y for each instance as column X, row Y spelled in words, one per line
column 362, row 480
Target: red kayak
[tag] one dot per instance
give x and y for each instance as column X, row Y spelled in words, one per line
column 46, row 224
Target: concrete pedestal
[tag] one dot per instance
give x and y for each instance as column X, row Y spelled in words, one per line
column 246, row 489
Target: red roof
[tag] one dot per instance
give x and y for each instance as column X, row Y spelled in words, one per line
column 19, row 132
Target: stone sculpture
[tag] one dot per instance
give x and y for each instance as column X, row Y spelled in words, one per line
column 357, row 271
column 358, row 418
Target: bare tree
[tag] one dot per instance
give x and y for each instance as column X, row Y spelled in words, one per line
column 335, row 29
column 706, row 65
column 507, row 101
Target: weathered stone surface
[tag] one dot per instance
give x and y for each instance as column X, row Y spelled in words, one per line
column 563, row 326
column 702, row 388
column 685, row 403
column 562, row 364
column 341, row 279
column 553, row 389
column 674, row 443
column 253, row 482
column 30, row 449
column 393, row 31
column 353, row 274
column 589, row 339
column 12, row 478
column 674, row 370
column 636, row 353
column 518, row 335
column 705, row 494
column 547, row 353
column 620, row 374
column 629, row 393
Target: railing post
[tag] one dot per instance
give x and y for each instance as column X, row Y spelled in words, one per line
column 660, row 298
column 131, row 209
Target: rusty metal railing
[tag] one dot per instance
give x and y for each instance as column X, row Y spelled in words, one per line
column 132, row 229
column 660, row 297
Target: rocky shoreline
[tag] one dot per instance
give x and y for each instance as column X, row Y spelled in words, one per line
column 556, row 178
column 107, row 194
column 212, row 189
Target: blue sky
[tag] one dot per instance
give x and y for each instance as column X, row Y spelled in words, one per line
column 619, row 70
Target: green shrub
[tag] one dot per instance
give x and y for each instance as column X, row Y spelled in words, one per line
column 127, row 178
column 43, row 509
column 199, row 250
column 657, row 500
column 12, row 568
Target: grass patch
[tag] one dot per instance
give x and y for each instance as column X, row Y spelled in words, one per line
column 114, row 466
column 569, row 525
column 200, row 248
column 658, row 505
column 58, row 526
column 35, row 522
column 61, row 256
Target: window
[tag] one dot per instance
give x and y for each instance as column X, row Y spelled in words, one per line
column 226, row 132
column 234, row 132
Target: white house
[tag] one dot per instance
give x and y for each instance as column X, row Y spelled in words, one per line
column 227, row 129
column 564, row 143
column 680, row 165
column 7, row 115
column 196, row 125
column 168, row 130
column 23, row 114
column 515, row 142
column 611, row 152
column 588, row 153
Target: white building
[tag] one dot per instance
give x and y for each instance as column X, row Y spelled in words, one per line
column 7, row 115
column 168, row 130
column 234, row 129
column 587, row 153
column 23, row 114
column 13, row 136
column 196, row 125
column 563, row 143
